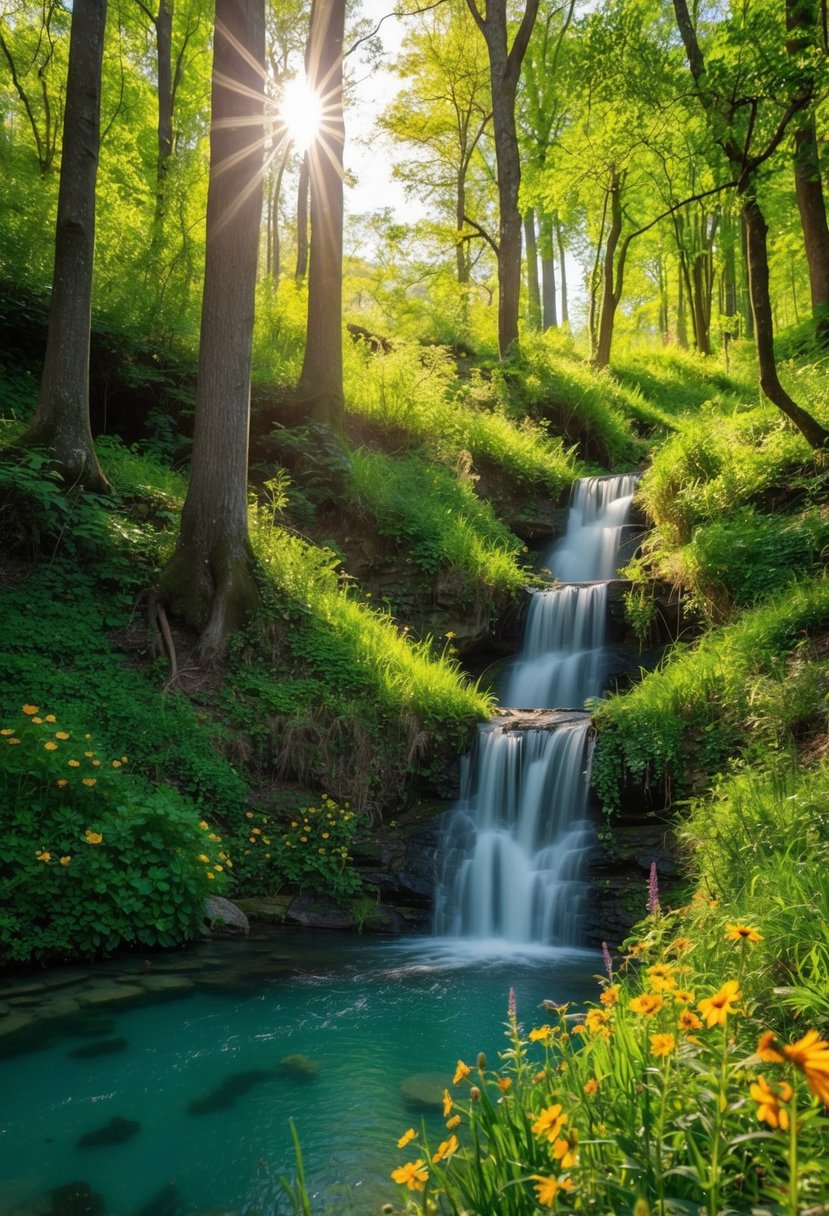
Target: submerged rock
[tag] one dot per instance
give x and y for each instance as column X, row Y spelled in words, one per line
column 104, row 1047
column 166, row 1202
column 317, row 912
column 423, row 1091
column 222, row 914
column 75, row 1199
column 110, row 994
column 300, row 1066
column 116, row 1131
column 225, row 1095
column 92, row 1027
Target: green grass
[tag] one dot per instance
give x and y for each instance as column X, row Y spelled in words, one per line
column 437, row 516
column 732, row 691
column 679, row 381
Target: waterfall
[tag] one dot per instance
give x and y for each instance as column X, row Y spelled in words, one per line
column 513, row 852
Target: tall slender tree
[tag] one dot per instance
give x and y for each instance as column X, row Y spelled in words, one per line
column 61, row 421
column 504, row 73
column 321, row 379
column 209, row 579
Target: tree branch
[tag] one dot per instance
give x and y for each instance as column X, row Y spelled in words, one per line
column 480, row 232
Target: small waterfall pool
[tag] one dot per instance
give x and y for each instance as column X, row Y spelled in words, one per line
column 203, row 1067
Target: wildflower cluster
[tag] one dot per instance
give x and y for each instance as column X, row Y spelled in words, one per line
column 669, row 1087
column 310, row 848
column 92, row 856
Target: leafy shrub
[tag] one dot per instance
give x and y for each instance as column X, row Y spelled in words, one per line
column 90, row 857
column 306, row 848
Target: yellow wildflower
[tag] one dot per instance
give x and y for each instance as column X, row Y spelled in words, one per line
column 811, row 1055
column 541, row 1034
column 504, row 1084
column 74, row 763
column 549, row 1122
column 769, row 1108
column 13, row 742
column 50, row 718
column 446, row 1149
column 90, row 781
column 37, row 721
column 203, row 824
column 447, row 1102
column 50, row 746
column 64, row 861
column 43, row 856
column 414, row 1175
column 742, row 933
column 210, row 875
column 203, row 857
column 117, row 764
column 565, row 1151
column 30, row 709
column 462, row 1070
column 683, row 997
column 647, row 1004
column 453, row 1122
column 662, row 1045
column 688, row 1021
column 406, row 1137
column 92, row 837
column 61, row 782
column 715, row 1009
column 8, row 731
column 89, row 755
column 610, row 996
column 546, row 1188
column 766, row 1049
column 63, row 735
column 591, row 1086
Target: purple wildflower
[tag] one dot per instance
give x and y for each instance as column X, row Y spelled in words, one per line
column 608, row 961
column 512, row 1009
column 653, row 892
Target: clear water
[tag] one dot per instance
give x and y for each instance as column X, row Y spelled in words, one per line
column 368, row 1012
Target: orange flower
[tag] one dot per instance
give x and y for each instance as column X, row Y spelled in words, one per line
column 446, row 1149
column 504, row 1084
column 811, row 1055
column 30, row 709
column 742, row 933
column 50, row 718
column 688, row 1021
column 447, row 1102
column 414, row 1174
column 610, row 996
column 647, row 1004
column 453, row 1122
column 662, row 1045
column 462, row 1070
column 680, row 944
column 769, row 1101
column 766, row 1049
column 541, row 1034
column 50, row 746
column 406, row 1137
column 715, row 1009
column 92, row 837
column 61, row 734
column 61, row 782
column 591, row 1086
column 43, row 856
column 565, row 1151
column 547, row 1188
column 549, row 1122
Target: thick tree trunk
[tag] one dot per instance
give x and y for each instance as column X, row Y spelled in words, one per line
column 729, row 270
column 681, row 315
column 209, row 580
column 758, row 268
column 533, row 288
column 164, row 54
column 548, row 273
column 509, row 223
column 701, row 301
column 61, row 422
column 321, row 380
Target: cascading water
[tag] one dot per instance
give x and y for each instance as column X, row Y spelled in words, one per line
column 513, row 851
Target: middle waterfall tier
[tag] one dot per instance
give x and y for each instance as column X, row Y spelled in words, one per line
column 563, row 661
column 513, row 852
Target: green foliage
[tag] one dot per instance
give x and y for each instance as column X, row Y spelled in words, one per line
column 678, row 381
column 704, row 695
column 91, row 858
column 304, row 846
column 412, row 391
column 438, row 517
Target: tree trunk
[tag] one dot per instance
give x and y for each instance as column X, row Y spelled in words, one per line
column 61, row 422
column 302, row 222
column 533, row 289
column 164, row 53
column 321, row 380
column 681, row 316
column 548, row 273
column 663, row 300
column 758, row 277
column 729, row 271
column 745, row 294
column 509, row 223
column 565, row 314
column 702, row 310
column 209, row 580
column 812, row 209
column 611, row 276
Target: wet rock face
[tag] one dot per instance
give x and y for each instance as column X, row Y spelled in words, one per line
column 619, row 870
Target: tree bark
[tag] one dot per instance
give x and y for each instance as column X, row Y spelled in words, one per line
column 612, row 276
column 302, row 222
column 533, row 288
column 321, row 379
column 209, row 579
column 548, row 274
column 504, row 71
column 61, row 421
column 758, row 277
column 810, row 202
column 164, row 49
column 565, row 314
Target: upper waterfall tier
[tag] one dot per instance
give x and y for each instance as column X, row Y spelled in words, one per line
column 599, row 510
column 563, row 660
